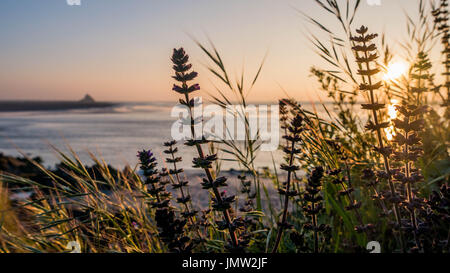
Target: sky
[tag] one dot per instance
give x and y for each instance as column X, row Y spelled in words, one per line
column 119, row 50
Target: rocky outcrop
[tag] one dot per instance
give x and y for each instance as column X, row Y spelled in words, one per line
column 87, row 99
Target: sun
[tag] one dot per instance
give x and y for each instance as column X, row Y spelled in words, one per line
column 395, row 70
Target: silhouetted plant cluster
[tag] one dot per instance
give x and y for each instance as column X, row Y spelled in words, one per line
column 221, row 201
column 171, row 228
column 366, row 56
column 293, row 139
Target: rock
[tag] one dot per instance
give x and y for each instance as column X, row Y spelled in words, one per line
column 87, row 99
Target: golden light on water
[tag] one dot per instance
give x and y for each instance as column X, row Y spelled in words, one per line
column 392, row 112
column 395, row 70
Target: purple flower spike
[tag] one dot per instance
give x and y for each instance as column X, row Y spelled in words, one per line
column 145, row 154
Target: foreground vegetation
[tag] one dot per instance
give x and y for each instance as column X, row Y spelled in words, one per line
column 381, row 177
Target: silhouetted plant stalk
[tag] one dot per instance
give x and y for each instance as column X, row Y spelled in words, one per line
column 314, row 205
column 437, row 219
column 409, row 151
column 221, row 202
column 295, row 129
column 151, row 175
column 421, row 74
column 441, row 18
column 246, row 189
column 185, row 200
column 284, row 116
column 408, row 139
column 171, row 228
column 178, row 183
column 372, row 180
column 247, row 224
column 367, row 49
column 344, row 181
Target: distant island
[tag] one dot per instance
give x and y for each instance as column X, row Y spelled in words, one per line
column 20, row 106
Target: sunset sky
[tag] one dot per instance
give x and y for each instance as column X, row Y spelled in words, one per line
column 118, row 50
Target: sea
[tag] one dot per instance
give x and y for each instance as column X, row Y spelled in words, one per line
column 114, row 134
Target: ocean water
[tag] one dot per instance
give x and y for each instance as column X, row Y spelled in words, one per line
column 114, row 134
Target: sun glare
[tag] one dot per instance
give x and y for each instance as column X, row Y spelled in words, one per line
column 392, row 112
column 395, row 70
